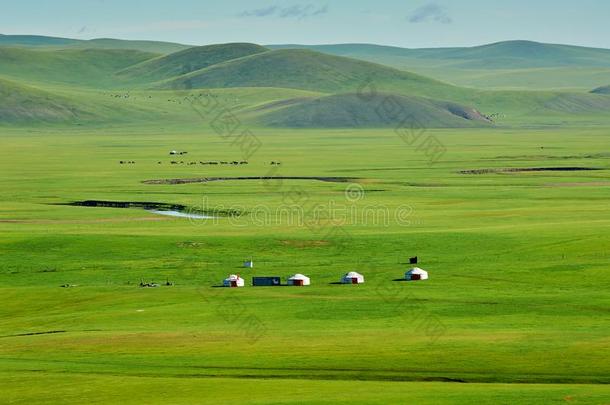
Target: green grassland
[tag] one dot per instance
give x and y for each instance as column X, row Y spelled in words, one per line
column 518, row 269
column 515, row 311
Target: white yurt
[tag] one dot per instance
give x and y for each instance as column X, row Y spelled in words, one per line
column 416, row 274
column 233, row 281
column 352, row 278
column 299, row 280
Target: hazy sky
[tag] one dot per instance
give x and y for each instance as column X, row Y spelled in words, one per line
column 407, row 23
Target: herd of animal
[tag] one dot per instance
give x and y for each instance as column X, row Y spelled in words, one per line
column 213, row 162
column 208, row 162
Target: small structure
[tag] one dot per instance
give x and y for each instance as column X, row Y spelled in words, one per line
column 352, row 278
column 173, row 152
column 249, row 264
column 233, row 281
column 266, row 281
column 416, row 274
column 299, row 280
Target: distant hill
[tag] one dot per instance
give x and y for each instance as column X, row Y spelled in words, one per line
column 308, row 70
column 282, row 88
column 187, row 61
column 511, row 64
column 354, row 111
column 524, row 54
column 501, row 55
column 87, row 67
column 602, row 90
column 35, row 40
column 101, row 43
column 144, row 46
column 19, row 103
column 574, row 103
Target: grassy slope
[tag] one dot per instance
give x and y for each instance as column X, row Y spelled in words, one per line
column 134, row 108
column 507, row 65
column 299, row 69
column 355, row 111
column 86, row 68
column 307, row 70
column 34, row 40
column 525, row 54
column 517, row 262
column 143, row 46
column 563, row 78
column 100, row 43
column 23, row 104
column 602, row 90
column 187, row 61
column 503, row 55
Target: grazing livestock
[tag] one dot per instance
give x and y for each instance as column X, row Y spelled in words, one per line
column 148, row 285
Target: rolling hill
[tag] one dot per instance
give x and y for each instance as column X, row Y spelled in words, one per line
column 602, row 90
column 510, row 64
column 503, row 65
column 501, row 55
column 523, row 54
column 143, row 46
column 309, row 70
column 39, row 41
column 35, row 40
column 356, row 111
column 579, row 104
column 320, row 89
column 87, row 67
column 187, row 61
column 19, row 104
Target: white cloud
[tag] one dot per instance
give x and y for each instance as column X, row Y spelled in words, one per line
column 430, row 12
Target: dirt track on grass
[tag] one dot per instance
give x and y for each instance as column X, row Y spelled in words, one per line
column 527, row 169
